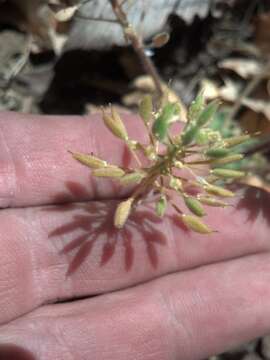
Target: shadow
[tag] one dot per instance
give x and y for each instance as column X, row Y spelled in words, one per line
column 94, row 221
column 14, row 352
column 257, row 202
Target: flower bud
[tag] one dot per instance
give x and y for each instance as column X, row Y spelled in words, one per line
column 227, row 173
column 109, row 171
column 89, row 160
column 193, row 223
column 175, row 183
column 122, row 212
column 194, row 206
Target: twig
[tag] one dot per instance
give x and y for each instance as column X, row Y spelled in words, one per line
column 137, row 44
column 248, row 89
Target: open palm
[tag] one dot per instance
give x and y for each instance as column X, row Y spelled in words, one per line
column 163, row 292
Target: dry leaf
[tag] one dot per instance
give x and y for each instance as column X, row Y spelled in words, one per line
column 245, row 68
column 256, row 181
column 66, row 14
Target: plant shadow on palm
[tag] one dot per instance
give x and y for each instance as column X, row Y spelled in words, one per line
column 94, row 221
column 256, row 202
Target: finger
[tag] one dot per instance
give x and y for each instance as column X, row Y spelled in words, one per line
column 50, row 254
column 36, row 168
column 189, row 315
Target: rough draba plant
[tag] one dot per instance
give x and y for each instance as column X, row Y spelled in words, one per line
column 176, row 162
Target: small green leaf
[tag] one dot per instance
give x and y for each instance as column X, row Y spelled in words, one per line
column 208, row 113
column 169, row 114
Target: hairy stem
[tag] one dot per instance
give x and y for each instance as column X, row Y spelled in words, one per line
column 137, row 44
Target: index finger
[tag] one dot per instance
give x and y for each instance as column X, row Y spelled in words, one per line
column 36, row 168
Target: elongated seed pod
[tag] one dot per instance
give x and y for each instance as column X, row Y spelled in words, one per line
column 217, row 152
column 109, row 171
column 228, row 159
column 89, row 160
column 132, row 178
column 227, row 173
column 236, row 140
column 122, row 212
column 115, row 125
column 146, row 109
column 207, row 200
column 195, row 224
column 218, row 190
column 194, row 206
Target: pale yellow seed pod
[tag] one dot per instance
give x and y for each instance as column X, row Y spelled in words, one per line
column 236, row 140
column 132, row 178
column 109, row 171
column 115, row 125
column 217, row 190
column 193, row 223
column 228, row 159
column 122, row 213
column 89, row 160
column 206, row 200
column 227, row 173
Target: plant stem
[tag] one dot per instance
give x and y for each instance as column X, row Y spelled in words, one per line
column 137, row 45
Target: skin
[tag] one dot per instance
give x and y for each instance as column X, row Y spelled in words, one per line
column 163, row 293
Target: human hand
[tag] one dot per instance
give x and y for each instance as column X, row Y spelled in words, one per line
column 164, row 293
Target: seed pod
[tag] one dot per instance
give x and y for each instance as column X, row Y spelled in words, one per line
column 132, row 178
column 89, row 160
column 208, row 113
column 194, row 206
column 161, row 206
column 195, row 224
column 217, row 190
column 236, row 140
column 196, row 107
column 228, row 159
column 109, row 171
column 122, row 213
column 217, row 152
column 189, row 133
column 115, row 125
column 206, row 200
column 146, row 109
column 227, row 173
